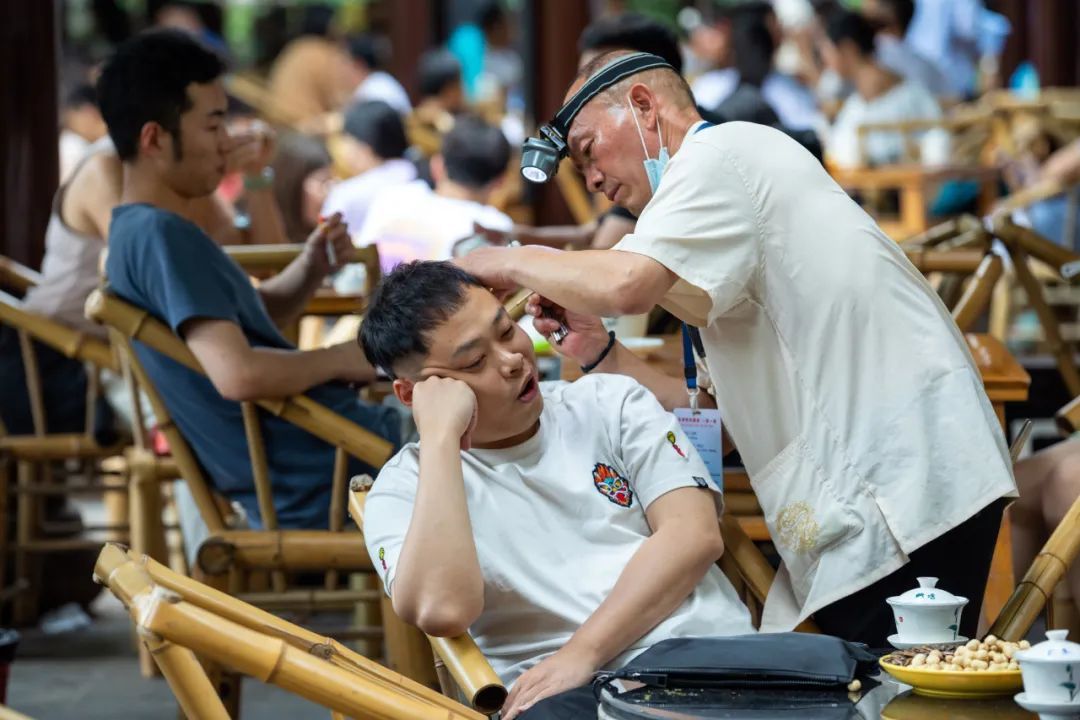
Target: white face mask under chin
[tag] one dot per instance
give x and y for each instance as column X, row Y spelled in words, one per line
column 654, row 167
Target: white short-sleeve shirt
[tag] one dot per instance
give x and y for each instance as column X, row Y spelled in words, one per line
column 842, row 378
column 557, row 518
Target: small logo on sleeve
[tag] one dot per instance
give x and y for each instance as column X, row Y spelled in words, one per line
column 612, row 485
column 674, row 445
column 382, row 558
column 700, row 482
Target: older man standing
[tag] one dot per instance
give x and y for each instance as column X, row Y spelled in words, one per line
column 841, row 377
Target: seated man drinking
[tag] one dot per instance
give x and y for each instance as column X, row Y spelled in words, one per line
column 163, row 99
column 567, row 527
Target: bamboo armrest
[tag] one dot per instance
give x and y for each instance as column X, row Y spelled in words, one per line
column 290, row 550
column 55, row 447
column 65, row 340
column 299, row 410
column 463, row 659
column 1068, row 417
column 1026, row 240
column 254, row 258
column 958, row 261
column 17, row 276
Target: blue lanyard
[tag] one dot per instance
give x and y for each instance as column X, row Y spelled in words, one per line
column 691, row 339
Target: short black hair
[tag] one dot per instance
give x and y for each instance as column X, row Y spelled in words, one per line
column 365, row 48
column 438, row 69
column 632, row 31
column 79, row 96
column 752, row 43
column 378, row 125
column 846, row 25
column 410, row 302
column 902, row 12
column 146, row 80
column 475, row 153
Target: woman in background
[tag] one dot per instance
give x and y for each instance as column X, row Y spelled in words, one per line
column 302, row 180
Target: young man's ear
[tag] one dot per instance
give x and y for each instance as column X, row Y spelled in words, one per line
column 154, row 140
column 403, row 391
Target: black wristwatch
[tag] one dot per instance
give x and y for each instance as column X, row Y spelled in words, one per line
column 603, row 354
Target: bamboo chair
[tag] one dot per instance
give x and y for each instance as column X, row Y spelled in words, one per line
column 34, row 454
column 182, row 621
column 1022, row 243
column 236, row 558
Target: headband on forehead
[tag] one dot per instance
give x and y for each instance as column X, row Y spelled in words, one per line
column 540, row 155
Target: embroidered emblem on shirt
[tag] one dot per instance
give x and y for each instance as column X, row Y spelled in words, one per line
column 382, row 558
column 796, row 528
column 675, row 445
column 612, row 485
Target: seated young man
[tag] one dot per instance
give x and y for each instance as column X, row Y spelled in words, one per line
column 163, row 99
column 567, row 527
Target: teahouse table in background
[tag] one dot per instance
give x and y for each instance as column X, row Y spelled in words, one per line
column 917, row 185
column 1005, row 381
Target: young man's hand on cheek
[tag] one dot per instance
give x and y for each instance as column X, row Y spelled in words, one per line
column 444, row 409
column 565, row 670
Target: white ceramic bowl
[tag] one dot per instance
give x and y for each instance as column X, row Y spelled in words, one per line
column 1051, row 669
column 927, row 614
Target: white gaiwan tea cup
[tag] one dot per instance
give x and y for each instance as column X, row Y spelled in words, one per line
column 1051, row 669
column 927, row 614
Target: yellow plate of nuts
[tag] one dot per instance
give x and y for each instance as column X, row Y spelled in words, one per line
column 950, row 670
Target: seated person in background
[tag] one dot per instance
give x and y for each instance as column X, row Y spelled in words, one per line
column 880, row 96
column 567, row 527
column 303, row 176
column 892, row 18
column 1049, row 484
column 80, row 127
column 163, row 99
column 374, row 150
column 442, row 95
column 371, row 82
column 415, row 222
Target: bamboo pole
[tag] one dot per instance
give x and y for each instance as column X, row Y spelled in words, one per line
column 1032, row 593
column 186, row 677
column 114, row 568
column 336, row 522
column 977, row 295
column 314, row 600
column 260, row 472
column 291, row 550
column 1068, row 417
column 953, row 261
column 65, row 340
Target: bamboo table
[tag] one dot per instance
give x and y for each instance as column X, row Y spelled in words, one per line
column 916, row 185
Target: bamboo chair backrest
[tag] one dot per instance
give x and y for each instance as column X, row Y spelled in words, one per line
column 71, row 343
column 16, row 276
column 133, row 324
column 275, row 258
column 169, row 608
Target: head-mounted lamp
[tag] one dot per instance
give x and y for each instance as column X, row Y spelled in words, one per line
column 540, row 156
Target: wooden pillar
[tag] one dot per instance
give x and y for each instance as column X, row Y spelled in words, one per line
column 1045, row 33
column 28, row 126
column 551, row 29
column 412, row 25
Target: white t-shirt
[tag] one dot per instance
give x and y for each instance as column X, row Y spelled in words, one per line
column 413, row 222
column 383, row 86
column 905, row 101
column 841, row 377
column 353, row 197
column 557, row 518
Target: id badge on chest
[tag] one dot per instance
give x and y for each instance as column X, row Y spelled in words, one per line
column 701, row 425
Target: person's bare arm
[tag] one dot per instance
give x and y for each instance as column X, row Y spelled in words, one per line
column 241, row 372
column 91, row 195
column 598, row 282
column 1064, row 165
column 684, row 544
column 438, row 586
